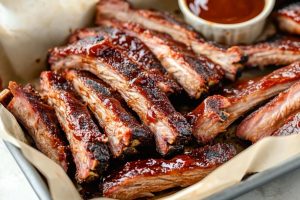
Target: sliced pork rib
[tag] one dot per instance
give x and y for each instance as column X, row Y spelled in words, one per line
column 98, row 56
column 291, row 126
column 217, row 112
column 124, row 133
column 279, row 50
column 164, row 22
column 193, row 73
column 41, row 123
column 135, row 50
column 289, row 18
column 270, row 117
column 143, row 177
column 88, row 144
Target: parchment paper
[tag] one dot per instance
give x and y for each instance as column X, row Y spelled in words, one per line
column 28, row 28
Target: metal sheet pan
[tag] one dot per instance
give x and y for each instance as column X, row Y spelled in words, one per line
column 254, row 181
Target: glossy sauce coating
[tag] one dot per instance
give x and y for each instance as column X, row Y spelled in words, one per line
column 202, row 158
column 137, row 51
column 127, row 132
column 226, row 11
column 101, row 52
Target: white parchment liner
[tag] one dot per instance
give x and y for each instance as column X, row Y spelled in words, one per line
column 29, row 27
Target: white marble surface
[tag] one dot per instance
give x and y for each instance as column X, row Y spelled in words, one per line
column 14, row 186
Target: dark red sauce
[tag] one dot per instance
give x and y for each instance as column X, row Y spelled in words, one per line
column 226, row 11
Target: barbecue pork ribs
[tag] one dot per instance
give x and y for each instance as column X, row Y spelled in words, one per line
column 144, row 177
column 87, row 143
column 40, row 121
column 228, row 59
column 270, row 117
column 217, row 112
column 125, row 134
column 98, row 55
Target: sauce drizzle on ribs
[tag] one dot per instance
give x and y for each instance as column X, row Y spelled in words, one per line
column 40, row 121
column 135, row 50
column 217, row 112
column 124, row 133
column 143, row 177
column 98, row 56
column 120, row 10
column 267, row 119
column 88, row 144
column 193, row 73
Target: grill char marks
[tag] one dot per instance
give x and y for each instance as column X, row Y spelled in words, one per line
column 124, row 133
column 135, row 50
column 120, row 10
column 266, row 120
column 87, row 143
column 279, row 50
column 143, row 177
column 216, row 113
column 193, row 73
column 170, row 128
column 41, row 123
column 288, row 18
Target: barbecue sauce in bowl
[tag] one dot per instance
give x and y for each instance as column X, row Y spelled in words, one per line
column 226, row 11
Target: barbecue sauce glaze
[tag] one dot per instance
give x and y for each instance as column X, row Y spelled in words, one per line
column 226, row 11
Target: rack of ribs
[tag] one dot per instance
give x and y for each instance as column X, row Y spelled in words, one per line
column 143, row 177
column 288, row 18
column 123, row 131
column 266, row 120
column 98, row 56
column 136, row 50
column 193, row 73
column 40, row 121
column 278, row 50
column 87, row 143
column 291, row 126
column 217, row 112
column 120, row 10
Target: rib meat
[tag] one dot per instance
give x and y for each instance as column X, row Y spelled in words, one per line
column 279, row 50
column 143, row 177
column 289, row 18
column 40, row 121
column 135, row 50
column 124, row 133
column 270, row 117
column 193, row 73
column 98, row 56
column 217, row 112
column 163, row 22
column 87, row 143
column 291, row 126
